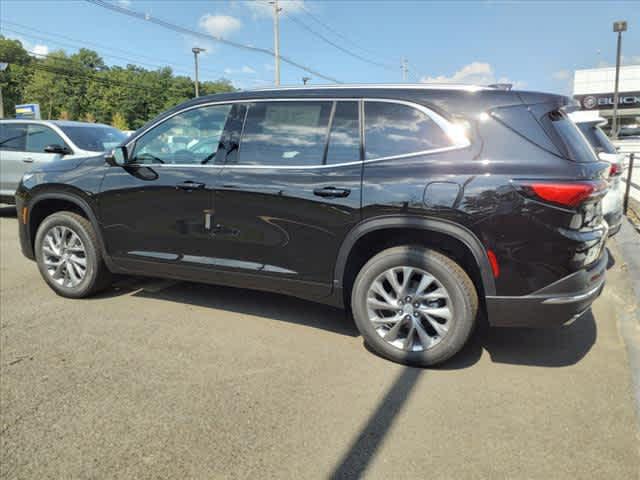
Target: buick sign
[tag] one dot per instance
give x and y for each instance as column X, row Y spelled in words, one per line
column 604, row 101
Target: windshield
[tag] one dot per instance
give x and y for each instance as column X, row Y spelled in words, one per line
column 596, row 137
column 629, row 132
column 94, row 138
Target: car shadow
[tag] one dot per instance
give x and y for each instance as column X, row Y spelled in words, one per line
column 7, row 211
column 271, row 306
column 546, row 347
column 611, row 260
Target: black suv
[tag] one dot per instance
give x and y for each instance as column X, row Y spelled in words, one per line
column 418, row 208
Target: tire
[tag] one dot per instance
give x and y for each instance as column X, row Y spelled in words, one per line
column 96, row 276
column 450, row 302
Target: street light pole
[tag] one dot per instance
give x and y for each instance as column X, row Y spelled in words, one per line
column 276, row 39
column 618, row 27
column 196, row 51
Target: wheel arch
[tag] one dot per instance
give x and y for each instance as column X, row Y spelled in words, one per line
column 440, row 227
column 47, row 202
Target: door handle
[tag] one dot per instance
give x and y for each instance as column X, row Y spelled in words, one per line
column 27, row 160
column 190, row 185
column 332, row 192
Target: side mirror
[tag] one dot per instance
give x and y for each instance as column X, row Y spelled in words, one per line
column 118, row 157
column 59, row 149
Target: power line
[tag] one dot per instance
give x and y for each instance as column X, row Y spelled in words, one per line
column 344, row 37
column 188, row 31
column 390, row 64
column 333, row 44
column 43, row 35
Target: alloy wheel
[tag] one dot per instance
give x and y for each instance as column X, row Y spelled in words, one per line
column 409, row 308
column 64, row 256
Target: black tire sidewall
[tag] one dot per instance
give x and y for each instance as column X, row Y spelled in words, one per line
column 89, row 280
column 463, row 305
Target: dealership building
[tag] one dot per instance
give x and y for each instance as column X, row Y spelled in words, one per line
column 594, row 87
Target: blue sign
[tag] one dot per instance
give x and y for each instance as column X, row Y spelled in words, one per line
column 29, row 111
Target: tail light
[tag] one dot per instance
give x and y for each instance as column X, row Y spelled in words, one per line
column 615, row 170
column 566, row 194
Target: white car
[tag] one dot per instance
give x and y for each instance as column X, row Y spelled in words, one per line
column 589, row 124
column 26, row 143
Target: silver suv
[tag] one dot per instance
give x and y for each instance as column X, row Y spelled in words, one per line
column 24, row 144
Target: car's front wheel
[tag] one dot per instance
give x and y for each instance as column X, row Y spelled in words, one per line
column 69, row 257
column 414, row 305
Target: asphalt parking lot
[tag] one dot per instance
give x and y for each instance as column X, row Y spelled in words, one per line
column 156, row 379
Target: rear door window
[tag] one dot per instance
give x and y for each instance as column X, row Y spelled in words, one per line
column 393, row 129
column 13, row 136
column 288, row 133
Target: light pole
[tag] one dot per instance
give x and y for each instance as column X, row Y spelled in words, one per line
column 276, row 39
column 618, row 27
column 196, row 51
column 305, row 80
column 3, row 67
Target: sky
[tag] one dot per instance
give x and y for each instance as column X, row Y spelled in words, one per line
column 534, row 45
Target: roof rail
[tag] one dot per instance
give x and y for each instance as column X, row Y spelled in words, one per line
column 421, row 86
column 501, row 86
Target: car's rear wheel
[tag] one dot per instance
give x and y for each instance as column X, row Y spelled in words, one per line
column 69, row 257
column 414, row 305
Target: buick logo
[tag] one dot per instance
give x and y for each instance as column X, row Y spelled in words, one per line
column 589, row 101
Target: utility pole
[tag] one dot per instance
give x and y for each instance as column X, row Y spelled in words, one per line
column 404, row 68
column 276, row 39
column 3, row 67
column 196, row 51
column 618, row 27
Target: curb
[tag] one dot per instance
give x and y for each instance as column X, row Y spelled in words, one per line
column 628, row 240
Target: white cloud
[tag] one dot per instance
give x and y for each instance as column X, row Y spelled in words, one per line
column 34, row 49
column 630, row 60
column 40, row 50
column 478, row 73
column 219, row 25
column 246, row 69
column 124, row 3
column 561, row 75
column 262, row 8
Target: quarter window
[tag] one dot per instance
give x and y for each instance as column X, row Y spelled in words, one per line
column 39, row 137
column 190, row 137
column 285, row 133
column 397, row 129
column 13, row 136
column 344, row 139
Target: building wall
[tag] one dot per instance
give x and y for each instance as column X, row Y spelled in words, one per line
column 602, row 80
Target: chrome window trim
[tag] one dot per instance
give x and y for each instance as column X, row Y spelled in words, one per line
column 442, row 122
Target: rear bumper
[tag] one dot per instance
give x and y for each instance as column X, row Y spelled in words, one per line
column 554, row 305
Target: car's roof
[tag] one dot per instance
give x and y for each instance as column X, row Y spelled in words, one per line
column 438, row 92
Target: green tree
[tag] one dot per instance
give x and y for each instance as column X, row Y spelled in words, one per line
column 49, row 85
column 119, row 122
column 82, row 86
column 16, row 75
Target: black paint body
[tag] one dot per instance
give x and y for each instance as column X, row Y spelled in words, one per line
column 270, row 231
